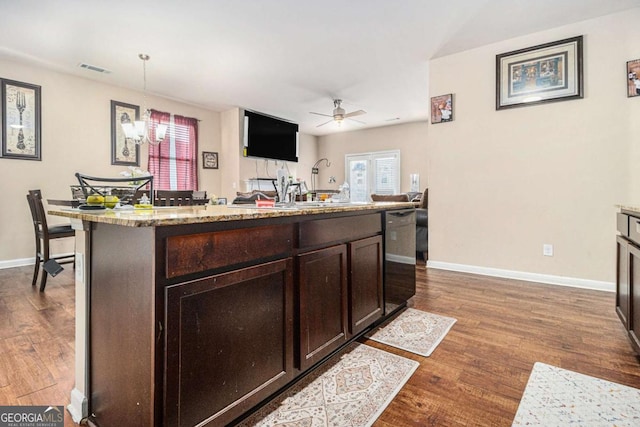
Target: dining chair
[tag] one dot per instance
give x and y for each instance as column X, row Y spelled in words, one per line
column 128, row 189
column 44, row 234
column 173, row 198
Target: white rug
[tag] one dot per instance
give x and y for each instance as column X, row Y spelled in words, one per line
column 415, row 331
column 350, row 390
column 557, row 397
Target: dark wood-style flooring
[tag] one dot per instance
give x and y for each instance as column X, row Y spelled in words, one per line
column 475, row 377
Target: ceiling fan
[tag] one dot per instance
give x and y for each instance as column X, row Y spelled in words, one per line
column 339, row 114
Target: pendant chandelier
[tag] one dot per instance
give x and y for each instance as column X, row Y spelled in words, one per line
column 139, row 131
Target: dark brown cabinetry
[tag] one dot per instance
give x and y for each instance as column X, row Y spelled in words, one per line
column 622, row 280
column 197, row 324
column 322, row 303
column 340, row 286
column 366, row 302
column 229, row 342
column 628, row 275
column 634, row 297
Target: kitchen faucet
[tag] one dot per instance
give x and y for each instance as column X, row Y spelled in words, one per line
column 292, row 195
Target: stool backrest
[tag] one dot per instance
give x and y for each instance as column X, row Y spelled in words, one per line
column 38, row 215
column 173, row 198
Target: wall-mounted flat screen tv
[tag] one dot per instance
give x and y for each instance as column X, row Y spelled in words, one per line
column 270, row 138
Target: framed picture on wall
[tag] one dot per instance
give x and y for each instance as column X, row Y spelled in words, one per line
column 209, row 160
column 442, row 108
column 123, row 150
column 20, row 120
column 633, row 78
column 548, row 72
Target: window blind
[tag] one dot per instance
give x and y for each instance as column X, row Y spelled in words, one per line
column 173, row 162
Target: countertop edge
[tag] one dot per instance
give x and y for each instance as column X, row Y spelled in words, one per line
column 207, row 214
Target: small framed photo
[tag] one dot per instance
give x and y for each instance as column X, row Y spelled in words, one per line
column 209, row 160
column 633, row 78
column 442, row 108
column 20, row 120
column 548, row 72
column 123, row 151
column 222, row 200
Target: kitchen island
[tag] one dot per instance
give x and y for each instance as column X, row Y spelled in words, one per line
column 628, row 271
column 195, row 315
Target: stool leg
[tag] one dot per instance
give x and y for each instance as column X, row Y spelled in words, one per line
column 45, row 258
column 43, row 281
column 36, row 269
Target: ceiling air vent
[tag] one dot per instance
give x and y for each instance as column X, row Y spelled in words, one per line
column 94, row 68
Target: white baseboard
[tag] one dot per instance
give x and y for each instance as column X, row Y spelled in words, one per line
column 10, row 263
column 522, row 275
column 78, row 408
column 20, row 262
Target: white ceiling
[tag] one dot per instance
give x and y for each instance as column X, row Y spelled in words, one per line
column 285, row 58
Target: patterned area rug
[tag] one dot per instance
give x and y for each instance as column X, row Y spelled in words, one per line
column 557, row 397
column 350, row 390
column 415, row 331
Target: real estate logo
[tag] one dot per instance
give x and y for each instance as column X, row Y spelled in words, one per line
column 31, row 416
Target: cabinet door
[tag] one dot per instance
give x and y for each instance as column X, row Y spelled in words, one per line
column 634, row 292
column 365, row 283
column 229, row 343
column 622, row 281
column 322, row 303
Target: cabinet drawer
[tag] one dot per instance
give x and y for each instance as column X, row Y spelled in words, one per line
column 622, row 223
column 194, row 253
column 334, row 230
column 634, row 230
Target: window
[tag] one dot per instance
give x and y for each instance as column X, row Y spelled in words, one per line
column 376, row 172
column 173, row 162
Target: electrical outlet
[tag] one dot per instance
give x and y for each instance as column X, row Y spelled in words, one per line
column 547, row 249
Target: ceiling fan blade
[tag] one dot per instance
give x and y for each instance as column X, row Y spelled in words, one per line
column 358, row 121
column 322, row 124
column 320, row 114
column 355, row 113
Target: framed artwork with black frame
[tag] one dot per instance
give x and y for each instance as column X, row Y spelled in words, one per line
column 123, row 150
column 20, row 120
column 633, row 78
column 442, row 108
column 548, row 72
column 209, row 160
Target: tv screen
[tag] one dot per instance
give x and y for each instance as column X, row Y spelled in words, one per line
column 270, row 138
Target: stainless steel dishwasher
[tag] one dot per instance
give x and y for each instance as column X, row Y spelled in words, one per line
column 399, row 258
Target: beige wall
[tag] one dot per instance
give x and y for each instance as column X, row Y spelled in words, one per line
column 76, row 137
column 409, row 138
column 502, row 183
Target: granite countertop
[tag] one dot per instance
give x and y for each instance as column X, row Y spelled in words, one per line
column 629, row 208
column 160, row 216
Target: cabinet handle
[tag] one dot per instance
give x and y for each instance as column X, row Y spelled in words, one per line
column 159, row 337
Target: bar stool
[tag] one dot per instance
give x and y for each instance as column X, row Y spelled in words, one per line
column 44, row 234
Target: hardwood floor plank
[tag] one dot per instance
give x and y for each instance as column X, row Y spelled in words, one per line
column 476, row 376
column 37, row 333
